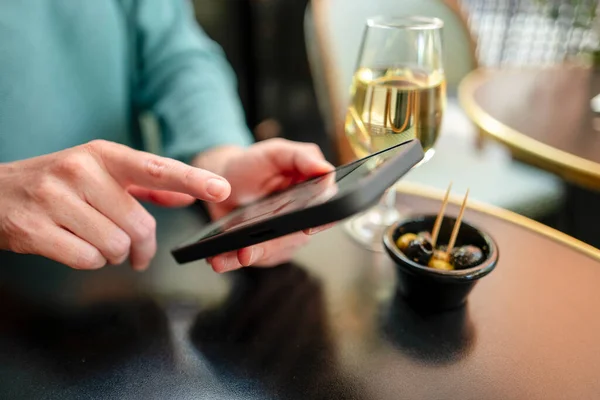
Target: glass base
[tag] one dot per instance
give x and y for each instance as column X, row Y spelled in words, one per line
column 368, row 228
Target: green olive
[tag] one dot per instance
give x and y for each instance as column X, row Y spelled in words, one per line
column 439, row 254
column 404, row 240
column 436, row 263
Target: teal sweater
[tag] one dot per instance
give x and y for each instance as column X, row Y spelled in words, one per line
column 76, row 70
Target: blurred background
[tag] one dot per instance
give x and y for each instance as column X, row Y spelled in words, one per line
column 266, row 42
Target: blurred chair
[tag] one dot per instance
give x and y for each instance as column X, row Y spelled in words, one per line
column 333, row 31
column 530, row 32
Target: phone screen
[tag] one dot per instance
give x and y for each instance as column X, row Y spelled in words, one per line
column 309, row 193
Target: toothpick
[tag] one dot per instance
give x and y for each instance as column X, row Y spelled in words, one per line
column 440, row 217
column 457, row 224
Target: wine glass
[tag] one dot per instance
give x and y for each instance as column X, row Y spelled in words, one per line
column 398, row 93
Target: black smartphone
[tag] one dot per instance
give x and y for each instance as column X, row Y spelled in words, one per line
column 339, row 194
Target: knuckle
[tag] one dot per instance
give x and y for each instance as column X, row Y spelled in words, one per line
column 96, row 144
column 156, row 168
column 281, row 143
column 145, row 227
column 73, row 165
column 89, row 259
column 273, row 143
column 44, row 188
column 278, row 140
column 119, row 247
column 314, row 148
column 189, row 176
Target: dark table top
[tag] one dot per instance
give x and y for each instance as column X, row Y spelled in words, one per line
column 329, row 325
column 542, row 114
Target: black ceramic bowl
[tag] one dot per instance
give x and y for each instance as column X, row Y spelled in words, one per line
column 432, row 289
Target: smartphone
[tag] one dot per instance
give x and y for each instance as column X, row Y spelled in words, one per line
column 334, row 196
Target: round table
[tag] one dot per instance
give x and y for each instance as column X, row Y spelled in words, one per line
column 328, row 325
column 542, row 114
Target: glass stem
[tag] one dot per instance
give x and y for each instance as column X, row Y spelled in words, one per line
column 390, row 212
column 389, row 199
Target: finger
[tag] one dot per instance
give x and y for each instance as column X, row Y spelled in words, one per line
column 328, row 189
column 225, row 262
column 256, row 254
column 283, row 256
column 314, row 231
column 304, row 158
column 128, row 166
column 161, row 197
column 64, row 247
column 87, row 223
column 110, row 199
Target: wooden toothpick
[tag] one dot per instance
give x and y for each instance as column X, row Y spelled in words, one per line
column 457, row 224
column 440, row 218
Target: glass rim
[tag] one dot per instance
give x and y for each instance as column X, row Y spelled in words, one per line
column 405, row 22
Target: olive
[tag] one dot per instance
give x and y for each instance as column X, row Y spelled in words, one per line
column 403, row 241
column 419, row 250
column 437, row 263
column 466, row 257
column 440, row 254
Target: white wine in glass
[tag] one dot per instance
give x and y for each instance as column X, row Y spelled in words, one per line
column 398, row 93
column 392, row 106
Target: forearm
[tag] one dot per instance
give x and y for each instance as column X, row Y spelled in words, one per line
column 186, row 82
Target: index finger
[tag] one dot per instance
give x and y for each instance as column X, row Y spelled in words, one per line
column 128, row 166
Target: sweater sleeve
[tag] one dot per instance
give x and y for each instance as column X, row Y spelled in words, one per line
column 183, row 78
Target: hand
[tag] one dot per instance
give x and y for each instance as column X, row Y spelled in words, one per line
column 254, row 173
column 77, row 206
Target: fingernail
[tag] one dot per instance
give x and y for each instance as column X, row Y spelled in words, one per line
column 313, row 231
column 251, row 258
column 325, row 165
column 140, row 267
column 228, row 262
column 217, row 187
column 256, row 254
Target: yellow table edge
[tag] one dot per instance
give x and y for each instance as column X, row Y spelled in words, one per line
column 564, row 164
column 509, row 216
